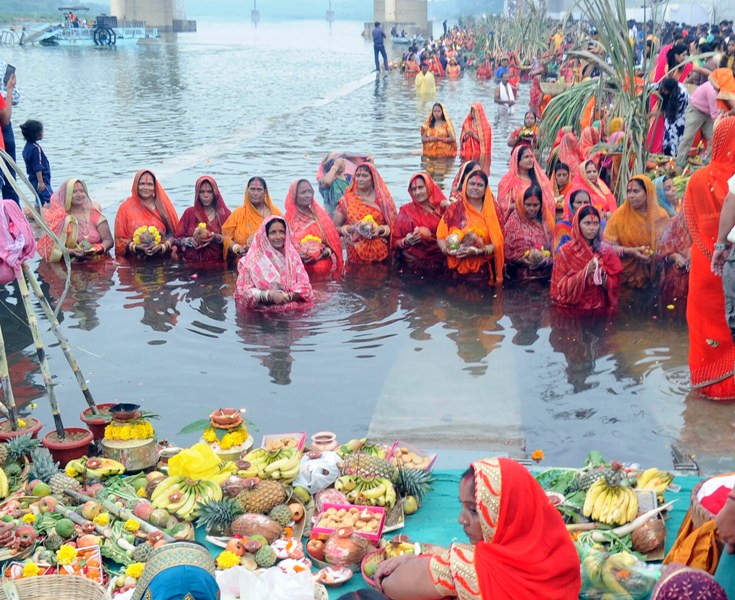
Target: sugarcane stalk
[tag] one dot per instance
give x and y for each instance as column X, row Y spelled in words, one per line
column 120, row 513
column 105, row 532
column 7, row 388
column 36, row 287
column 45, row 371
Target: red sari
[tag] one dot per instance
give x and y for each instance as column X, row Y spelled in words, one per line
column 477, row 123
column 212, row 252
column 674, row 280
column 711, row 348
column 426, row 255
column 526, row 552
column 572, row 287
column 601, row 196
column 132, row 214
column 513, row 186
column 523, row 235
column 316, row 224
column 362, row 250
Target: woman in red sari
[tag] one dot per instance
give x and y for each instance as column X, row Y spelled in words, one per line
column 206, row 244
column 587, row 271
column 711, row 347
column 588, row 178
column 476, row 138
column 365, row 216
column 147, row 206
column 524, row 172
column 481, row 254
column 414, row 236
column 528, row 238
column 313, row 232
column 674, row 254
column 519, row 547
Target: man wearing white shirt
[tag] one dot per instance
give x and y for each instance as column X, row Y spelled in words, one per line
column 504, row 97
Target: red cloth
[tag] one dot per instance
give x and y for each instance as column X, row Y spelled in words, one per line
column 426, row 253
column 570, row 284
column 569, row 153
column 513, row 186
column 531, row 556
column 476, row 121
column 711, row 348
column 194, row 215
column 3, row 106
column 716, row 500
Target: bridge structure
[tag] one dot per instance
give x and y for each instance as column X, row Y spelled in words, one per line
column 412, row 15
column 165, row 15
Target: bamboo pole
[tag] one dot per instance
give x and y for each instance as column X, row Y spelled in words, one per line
column 41, row 352
column 7, row 388
column 36, row 287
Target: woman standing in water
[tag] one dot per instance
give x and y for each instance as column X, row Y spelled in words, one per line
column 203, row 244
column 437, row 133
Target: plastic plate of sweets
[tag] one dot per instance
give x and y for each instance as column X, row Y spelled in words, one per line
column 333, row 576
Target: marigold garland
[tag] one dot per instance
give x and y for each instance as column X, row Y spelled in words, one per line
column 31, row 569
column 66, row 554
column 139, row 429
column 227, row 560
column 146, row 231
column 236, row 437
column 135, row 570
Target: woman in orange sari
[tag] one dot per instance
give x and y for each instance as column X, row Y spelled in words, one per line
column 528, row 238
column 519, row 547
column 148, row 206
column 588, row 178
column 78, row 223
column 365, row 216
column 314, row 235
column 437, row 133
column 241, row 225
column 711, row 347
column 477, row 135
column 635, row 229
column 524, row 172
column 470, row 234
column 589, row 139
column 414, row 237
column 453, row 69
column 464, row 170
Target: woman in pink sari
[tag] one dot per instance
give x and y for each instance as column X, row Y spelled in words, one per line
column 669, row 63
column 77, row 222
column 529, row 234
column 271, row 274
column 314, row 234
column 524, row 172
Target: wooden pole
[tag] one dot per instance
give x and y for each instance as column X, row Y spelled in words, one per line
column 7, row 388
column 41, row 352
column 36, row 287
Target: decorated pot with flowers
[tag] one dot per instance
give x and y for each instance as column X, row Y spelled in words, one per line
column 130, row 439
column 147, row 236
column 311, row 246
column 227, row 434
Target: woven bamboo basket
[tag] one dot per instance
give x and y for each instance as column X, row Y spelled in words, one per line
column 320, row 592
column 554, row 88
column 699, row 514
column 55, row 587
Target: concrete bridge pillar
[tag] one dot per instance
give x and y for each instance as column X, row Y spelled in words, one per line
column 404, row 13
column 165, row 15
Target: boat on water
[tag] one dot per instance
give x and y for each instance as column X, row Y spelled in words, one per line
column 405, row 40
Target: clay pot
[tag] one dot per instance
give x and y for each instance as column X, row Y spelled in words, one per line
column 324, row 441
column 225, row 417
column 65, row 450
column 32, row 426
column 97, row 423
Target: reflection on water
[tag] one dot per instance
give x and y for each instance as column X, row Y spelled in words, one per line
column 444, row 364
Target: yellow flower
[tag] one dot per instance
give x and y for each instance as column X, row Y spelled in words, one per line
column 132, row 525
column 66, row 554
column 311, row 238
column 135, row 570
column 209, row 435
column 31, row 569
column 102, row 519
column 21, row 423
column 227, row 560
column 149, row 230
column 138, row 430
column 369, row 219
column 29, row 518
column 141, row 493
column 538, row 455
column 202, row 225
column 32, row 405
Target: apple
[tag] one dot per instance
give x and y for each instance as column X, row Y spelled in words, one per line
column 316, row 549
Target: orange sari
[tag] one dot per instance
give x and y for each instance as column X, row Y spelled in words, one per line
column 601, row 196
column 463, row 216
column 440, row 148
column 628, row 227
column 512, row 186
column 724, row 82
column 477, row 123
column 362, row 250
column 132, row 214
column 244, row 222
column 711, row 348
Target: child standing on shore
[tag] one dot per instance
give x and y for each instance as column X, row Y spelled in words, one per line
column 37, row 164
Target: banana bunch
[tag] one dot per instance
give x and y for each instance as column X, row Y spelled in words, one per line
column 96, row 467
column 367, row 491
column 4, row 485
column 610, row 505
column 282, row 464
column 655, row 479
column 182, row 497
column 600, row 571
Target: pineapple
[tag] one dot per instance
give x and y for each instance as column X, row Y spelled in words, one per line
column 262, row 497
column 18, row 447
column 366, row 466
column 587, row 476
column 3, row 454
column 217, row 516
column 61, row 483
column 43, row 466
column 413, row 482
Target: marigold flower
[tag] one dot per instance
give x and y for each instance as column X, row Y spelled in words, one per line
column 227, row 560
column 66, row 554
column 71, row 471
column 538, row 455
column 31, row 569
column 311, row 238
column 29, row 518
column 21, row 423
column 132, row 525
column 141, row 493
column 135, row 570
column 102, row 519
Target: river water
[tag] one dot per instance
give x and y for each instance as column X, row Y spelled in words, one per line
column 466, row 371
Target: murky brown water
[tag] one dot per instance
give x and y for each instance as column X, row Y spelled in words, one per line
column 466, row 370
